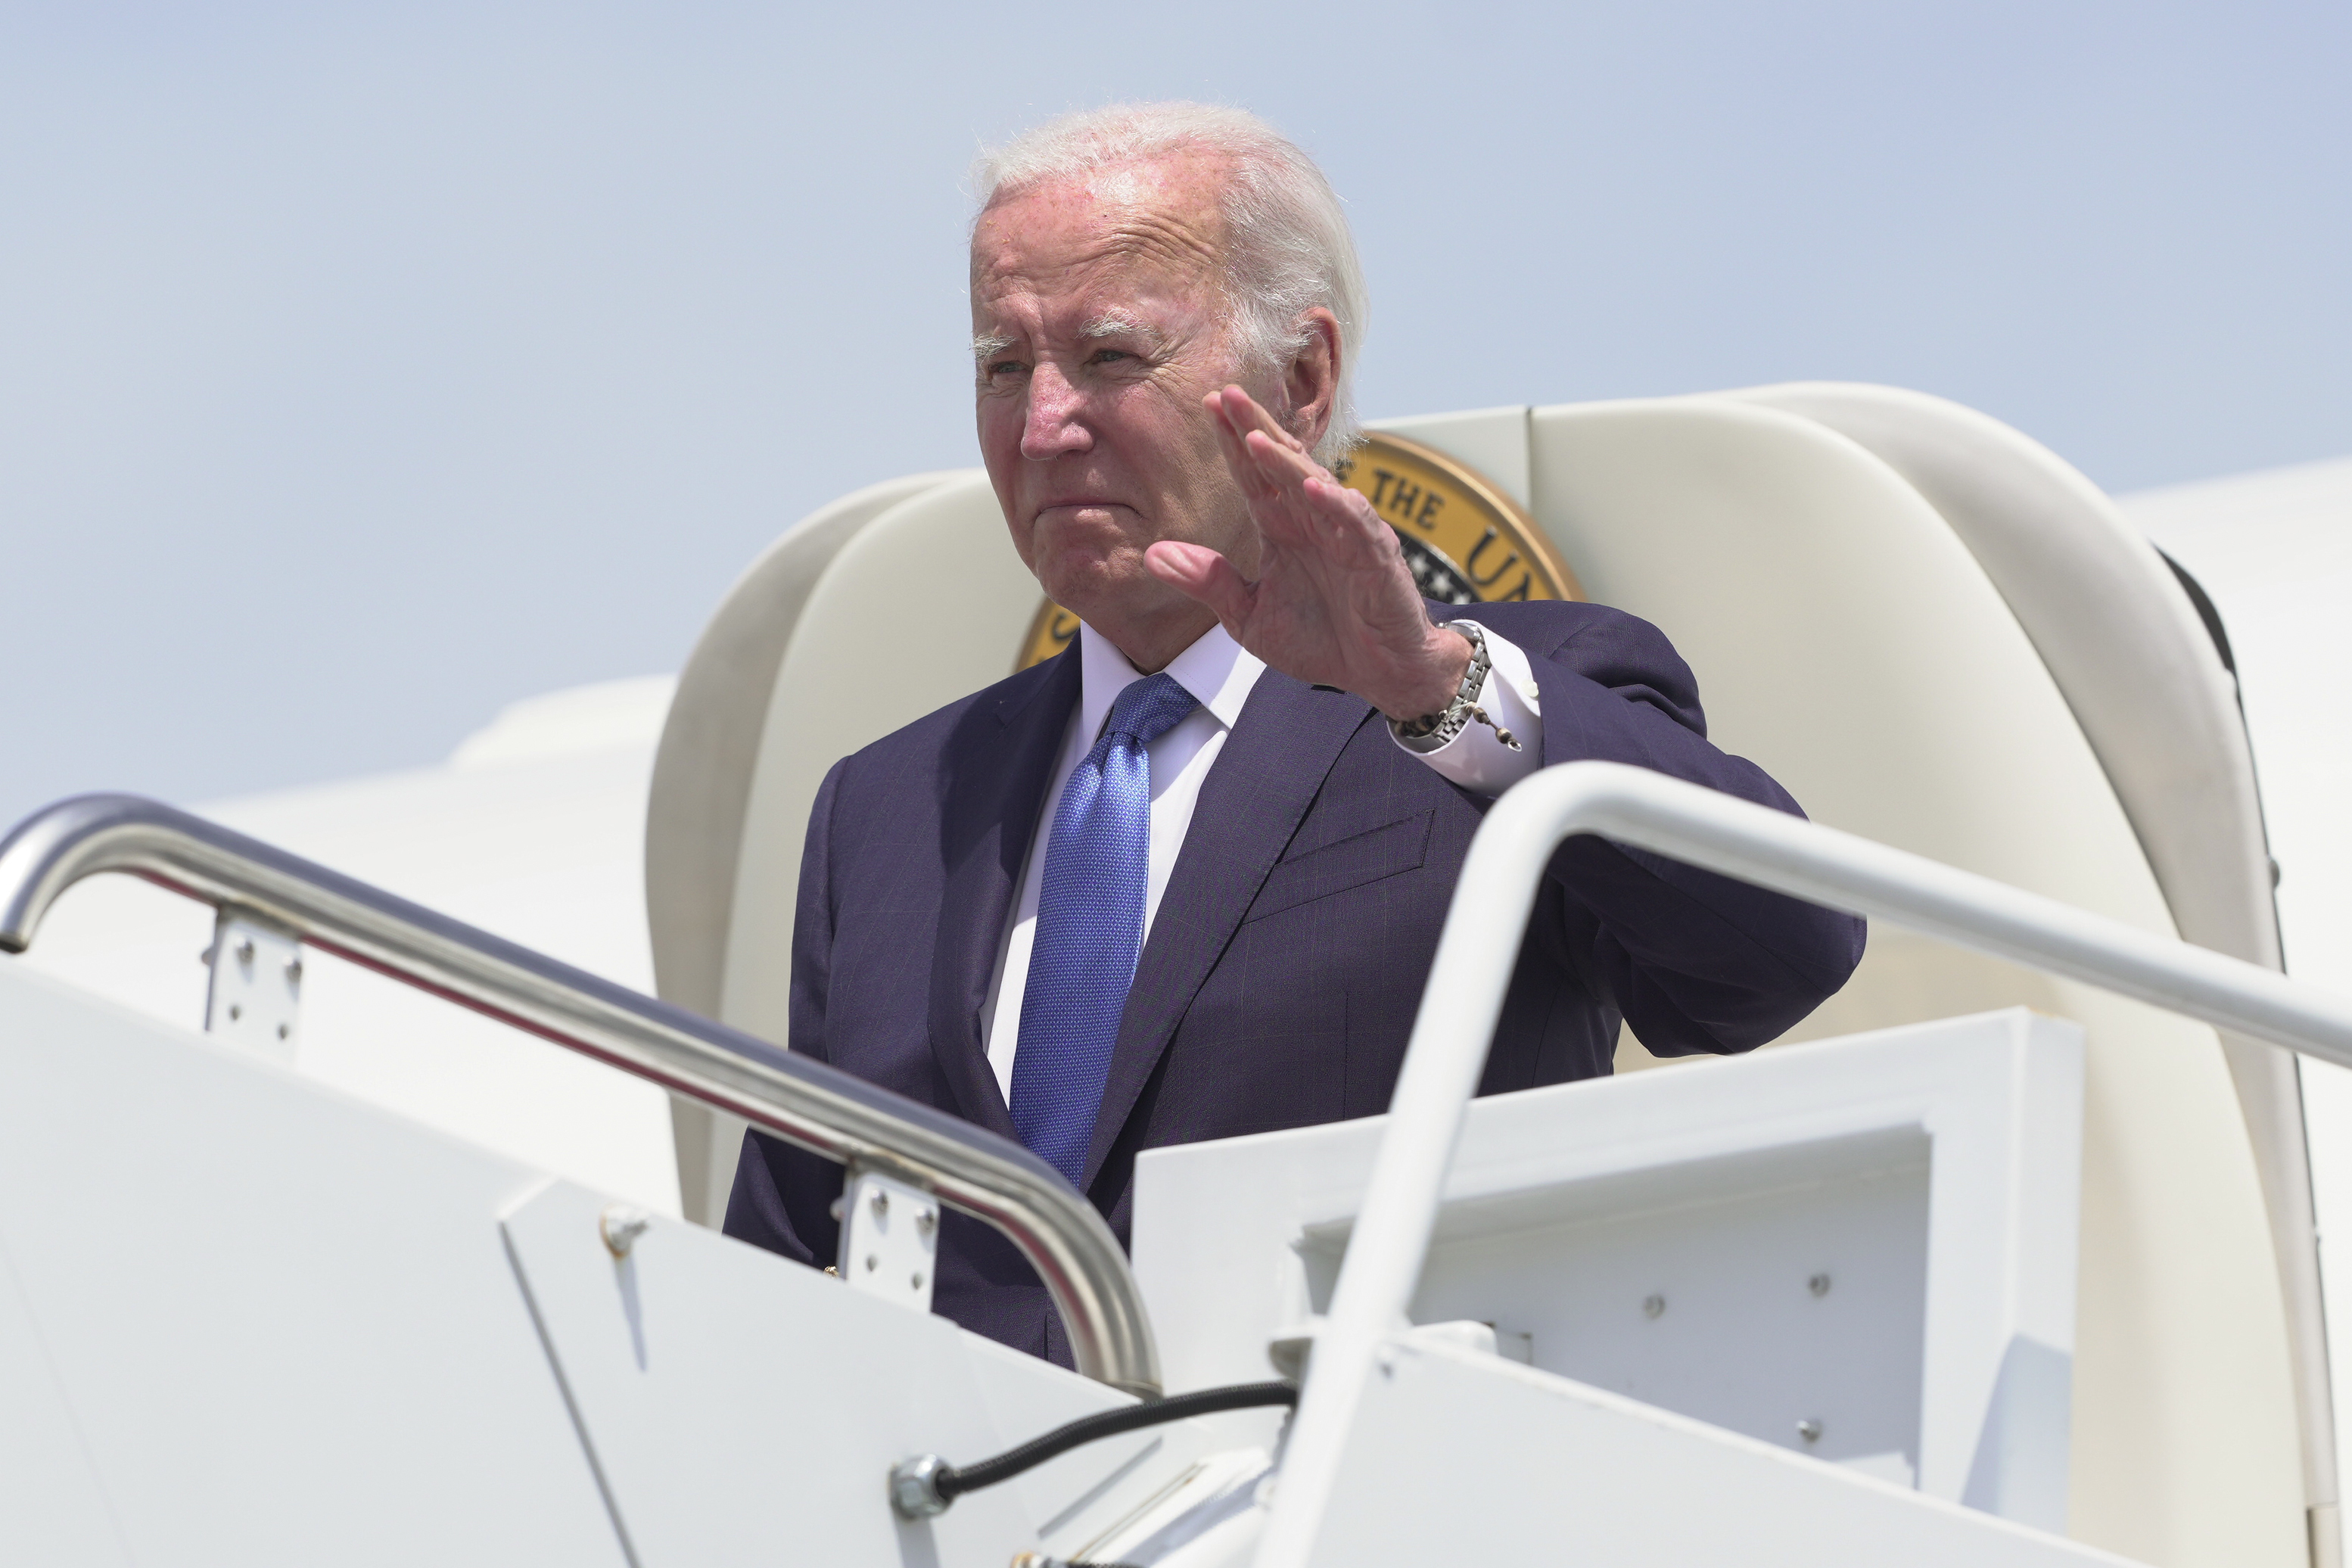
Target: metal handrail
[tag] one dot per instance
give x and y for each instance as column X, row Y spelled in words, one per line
column 1463, row 1001
column 819, row 1108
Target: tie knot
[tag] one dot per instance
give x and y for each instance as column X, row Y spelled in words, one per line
column 1150, row 708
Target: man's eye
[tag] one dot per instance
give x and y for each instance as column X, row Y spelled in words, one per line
column 1005, row 367
column 1108, row 356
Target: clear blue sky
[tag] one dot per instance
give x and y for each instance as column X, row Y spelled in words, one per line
column 363, row 368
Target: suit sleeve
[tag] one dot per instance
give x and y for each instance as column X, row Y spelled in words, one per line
column 783, row 1197
column 1696, row 962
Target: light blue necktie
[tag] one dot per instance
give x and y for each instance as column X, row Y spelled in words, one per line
column 1089, row 928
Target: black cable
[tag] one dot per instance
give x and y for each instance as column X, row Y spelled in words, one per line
column 953, row 1480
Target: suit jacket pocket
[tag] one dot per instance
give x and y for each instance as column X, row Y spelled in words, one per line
column 1366, row 856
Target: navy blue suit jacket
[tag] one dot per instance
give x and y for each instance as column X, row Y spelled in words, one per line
column 1286, row 962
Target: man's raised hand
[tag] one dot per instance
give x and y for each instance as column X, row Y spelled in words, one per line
column 1334, row 603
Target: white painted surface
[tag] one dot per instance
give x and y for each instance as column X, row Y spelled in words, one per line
column 245, row 1317
column 612, row 715
column 283, row 1320
column 1459, row 1458
column 1846, row 640
column 1724, row 1192
column 536, row 836
column 520, row 870
column 2274, row 551
column 737, row 1402
column 2141, row 677
column 1687, row 1289
column 356, row 1366
column 743, row 1408
column 254, row 999
column 1492, row 441
column 56, row 1508
column 889, row 1240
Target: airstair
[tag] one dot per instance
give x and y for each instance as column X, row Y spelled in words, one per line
column 2005, row 1264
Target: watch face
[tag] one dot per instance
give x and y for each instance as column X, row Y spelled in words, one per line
column 1466, row 540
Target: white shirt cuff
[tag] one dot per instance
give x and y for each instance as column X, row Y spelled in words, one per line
column 1477, row 758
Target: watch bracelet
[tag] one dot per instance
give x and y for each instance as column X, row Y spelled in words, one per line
column 1450, row 720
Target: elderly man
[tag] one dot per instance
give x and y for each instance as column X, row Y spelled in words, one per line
column 1185, row 879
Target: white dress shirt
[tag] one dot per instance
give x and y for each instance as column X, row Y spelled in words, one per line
column 1220, row 673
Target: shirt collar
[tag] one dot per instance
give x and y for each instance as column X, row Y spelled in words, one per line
column 1215, row 670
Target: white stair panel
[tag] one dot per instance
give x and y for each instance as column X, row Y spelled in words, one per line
column 283, row 1320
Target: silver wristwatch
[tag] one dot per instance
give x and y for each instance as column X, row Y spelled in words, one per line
column 1433, row 731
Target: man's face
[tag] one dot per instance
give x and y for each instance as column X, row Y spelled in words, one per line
column 1095, row 302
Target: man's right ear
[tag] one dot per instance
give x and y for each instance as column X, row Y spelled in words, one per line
column 1310, row 385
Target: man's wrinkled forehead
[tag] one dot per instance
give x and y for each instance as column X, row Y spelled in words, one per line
column 1159, row 219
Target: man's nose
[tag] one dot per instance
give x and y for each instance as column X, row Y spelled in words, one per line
column 1057, row 423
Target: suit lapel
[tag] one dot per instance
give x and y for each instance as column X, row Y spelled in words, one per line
column 1273, row 765
column 996, row 774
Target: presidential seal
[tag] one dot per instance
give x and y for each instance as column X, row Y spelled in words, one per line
column 1466, row 541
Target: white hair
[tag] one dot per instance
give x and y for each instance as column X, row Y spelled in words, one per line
column 1288, row 247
